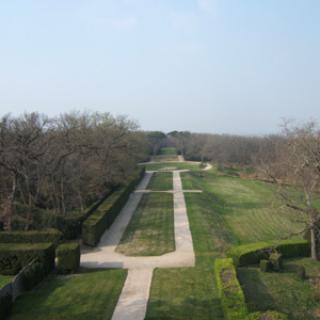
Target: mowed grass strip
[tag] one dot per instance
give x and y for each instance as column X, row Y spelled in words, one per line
column 161, row 181
column 250, row 209
column 190, row 293
column 87, row 295
column 168, row 151
column 170, row 166
column 151, row 229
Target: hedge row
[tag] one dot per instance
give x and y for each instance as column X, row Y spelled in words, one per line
column 68, row 258
column 232, row 297
column 25, row 280
column 252, row 253
column 230, row 292
column 103, row 217
column 14, row 256
column 34, row 236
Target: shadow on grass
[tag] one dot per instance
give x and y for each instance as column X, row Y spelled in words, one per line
column 256, row 293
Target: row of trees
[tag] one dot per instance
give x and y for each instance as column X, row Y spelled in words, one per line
column 63, row 164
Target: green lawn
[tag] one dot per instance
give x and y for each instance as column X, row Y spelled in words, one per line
column 168, row 151
column 5, row 280
column 248, row 209
column 151, row 229
column 161, row 181
column 88, row 295
column 284, row 291
column 189, row 293
column 170, row 166
column 229, row 211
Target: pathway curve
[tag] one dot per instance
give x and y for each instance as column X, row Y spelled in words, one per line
column 133, row 300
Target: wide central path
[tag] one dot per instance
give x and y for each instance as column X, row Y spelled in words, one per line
column 134, row 297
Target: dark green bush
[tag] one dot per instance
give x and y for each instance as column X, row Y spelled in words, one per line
column 103, row 217
column 275, row 259
column 301, row 272
column 5, row 305
column 32, row 274
column 265, row 265
column 268, row 315
column 68, row 258
column 252, row 253
column 33, row 236
column 14, row 256
column 230, row 291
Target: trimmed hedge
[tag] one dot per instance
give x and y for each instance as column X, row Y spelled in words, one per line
column 269, row 315
column 32, row 274
column 68, row 258
column 252, row 253
column 14, row 256
column 230, row 291
column 94, row 227
column 34, row 236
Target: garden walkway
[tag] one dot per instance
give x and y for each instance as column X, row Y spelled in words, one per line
column 134, row 297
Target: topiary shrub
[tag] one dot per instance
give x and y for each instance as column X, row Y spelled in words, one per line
column 14, row 256
column 268, row 315
column 275, row 259
column 68, row 258
column 94, row 227
column 252, row 253
column 33, row 236
column 301, row 272
column 230, row 291
column 265, row 265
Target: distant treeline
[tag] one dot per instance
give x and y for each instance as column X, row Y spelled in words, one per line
column 63, row 164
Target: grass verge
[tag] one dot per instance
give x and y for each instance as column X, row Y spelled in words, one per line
column 151, row 229
column 88, row 295
column 161, row 181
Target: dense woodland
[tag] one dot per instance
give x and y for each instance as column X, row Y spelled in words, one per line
column 64, row 164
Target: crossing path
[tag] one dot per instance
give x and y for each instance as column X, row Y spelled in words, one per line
column 133, row 300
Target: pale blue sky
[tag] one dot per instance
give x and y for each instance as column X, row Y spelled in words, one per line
column 231, row 66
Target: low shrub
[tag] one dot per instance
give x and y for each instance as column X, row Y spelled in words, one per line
column 230, row 291
column 33, row 236
column 268, row 315
column 32, row 274
column 5, row 305
column 265, row 265
column 252, row 253
column 301, row 272
column 103, row 217
column 68, row 258
column 14, row 256
column 275, row 259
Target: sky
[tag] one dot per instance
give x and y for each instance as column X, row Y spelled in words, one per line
column 220, row 66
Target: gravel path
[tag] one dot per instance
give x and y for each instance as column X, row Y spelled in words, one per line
column 133, row 300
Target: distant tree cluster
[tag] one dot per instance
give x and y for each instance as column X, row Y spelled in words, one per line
column 230, row 149
column 65, row 163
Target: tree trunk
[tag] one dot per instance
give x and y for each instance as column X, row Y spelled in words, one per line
column 9, row 205
column 313, row 240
